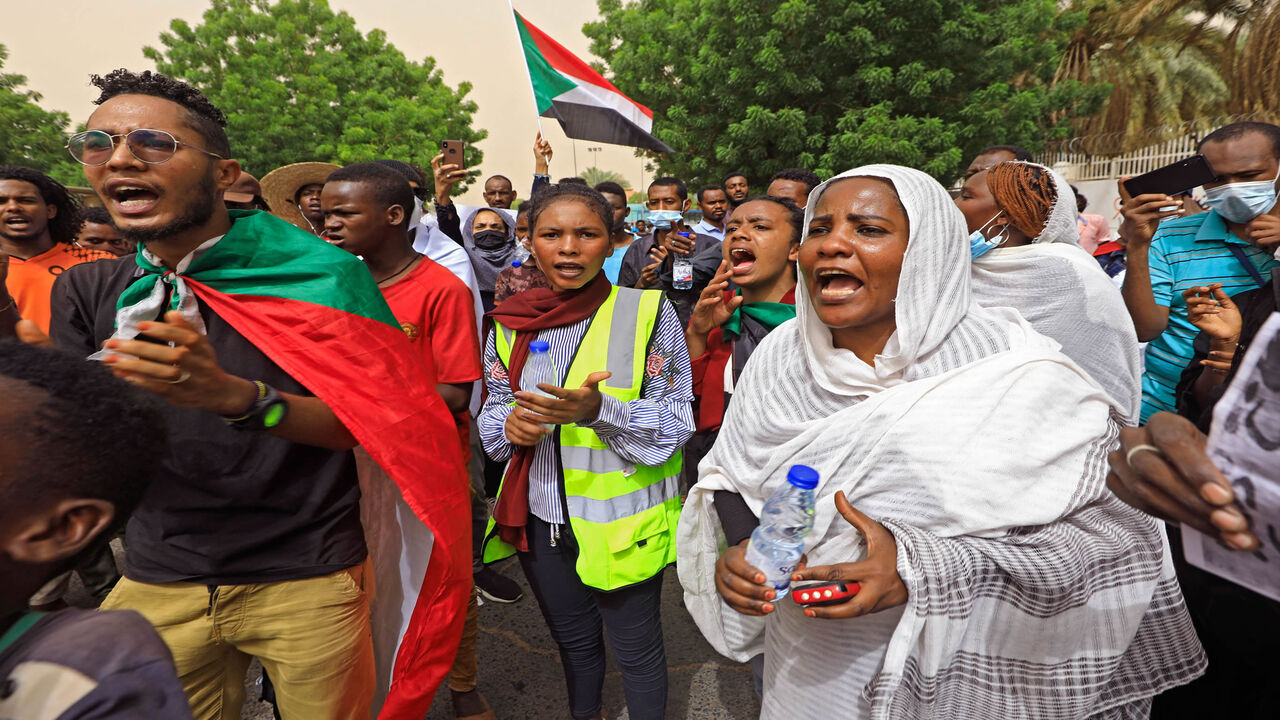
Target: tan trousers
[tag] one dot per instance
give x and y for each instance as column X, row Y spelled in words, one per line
column 465, row 671
column 311, row 635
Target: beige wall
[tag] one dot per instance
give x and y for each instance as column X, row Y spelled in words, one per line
column 57, row 44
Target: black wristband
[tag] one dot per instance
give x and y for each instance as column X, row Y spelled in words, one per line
column 267, row 411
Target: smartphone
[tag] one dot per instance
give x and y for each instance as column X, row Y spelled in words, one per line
column 828, row 593
column 1173, row 179
column 453, row 153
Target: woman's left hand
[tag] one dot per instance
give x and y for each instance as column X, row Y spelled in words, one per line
column 880, row 587
column 566, row 406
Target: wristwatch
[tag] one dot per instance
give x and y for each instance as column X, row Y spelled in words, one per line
column 267, row 411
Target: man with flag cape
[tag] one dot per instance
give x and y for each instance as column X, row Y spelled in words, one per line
column 254, row 546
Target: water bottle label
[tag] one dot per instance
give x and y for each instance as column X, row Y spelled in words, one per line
column 682, row 272
column 783, row 575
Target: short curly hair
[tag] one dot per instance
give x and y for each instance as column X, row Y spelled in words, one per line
column 66, row 223
column 202, row 115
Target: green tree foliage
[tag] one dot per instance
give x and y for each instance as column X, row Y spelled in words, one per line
column 761, row 85
column 33, row 137
column 300, row 82
column 594, row 176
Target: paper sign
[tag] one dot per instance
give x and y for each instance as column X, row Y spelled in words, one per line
column 1244, row 443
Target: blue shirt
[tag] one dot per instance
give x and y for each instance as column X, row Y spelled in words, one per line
column 705, row 228
column 646, row 431
column 613, row 264
column 1187, row 252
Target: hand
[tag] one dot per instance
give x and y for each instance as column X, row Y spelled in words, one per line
column 186, row 373
column 671, row 240
column 1142, row 215
column 1180, row 483
column 1211, row 310
column 522, row 430
column 445, row 176
column 880, row 586
column 565, row 407
column 1264, row 231
column 712, row 309
column 741, row 585
column 649, row 275
column 31, row 334
column 541, row 155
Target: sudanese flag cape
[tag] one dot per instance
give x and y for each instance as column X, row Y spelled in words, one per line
column 315, row 310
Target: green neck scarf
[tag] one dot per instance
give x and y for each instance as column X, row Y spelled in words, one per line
column 768, row 314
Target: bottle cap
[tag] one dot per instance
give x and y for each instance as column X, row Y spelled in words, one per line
column 803, row 477
column 685, row 234
column 515, row 263
column 541, row 346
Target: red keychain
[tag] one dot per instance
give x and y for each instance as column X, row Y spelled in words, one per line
column 828, row 593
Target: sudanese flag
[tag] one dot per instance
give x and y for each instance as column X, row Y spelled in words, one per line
column 315, row 310
column 588, row 106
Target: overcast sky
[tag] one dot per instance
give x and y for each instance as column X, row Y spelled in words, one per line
column 57, row 44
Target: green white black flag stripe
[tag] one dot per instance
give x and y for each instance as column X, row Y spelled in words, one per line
column 587, row 106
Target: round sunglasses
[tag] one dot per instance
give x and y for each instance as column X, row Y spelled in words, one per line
column 94, row 147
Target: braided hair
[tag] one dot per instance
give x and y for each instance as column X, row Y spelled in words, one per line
column 1025, row 192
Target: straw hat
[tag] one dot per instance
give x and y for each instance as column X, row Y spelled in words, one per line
column 281, row 185
column 244, row 189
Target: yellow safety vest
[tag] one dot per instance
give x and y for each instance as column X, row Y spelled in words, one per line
column 623, row 515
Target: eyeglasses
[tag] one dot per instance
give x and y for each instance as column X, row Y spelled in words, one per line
column 94, row 147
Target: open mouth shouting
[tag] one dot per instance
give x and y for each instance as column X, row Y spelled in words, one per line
column 17, row 223
column 834, row 285
column 131, row 197
column 570, row 270
column 741, row 260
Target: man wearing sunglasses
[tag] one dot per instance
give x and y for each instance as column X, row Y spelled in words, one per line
column 253, row 544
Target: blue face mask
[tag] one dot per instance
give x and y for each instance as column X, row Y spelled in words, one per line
column 979, row 245
column 1242, row 202
column 662, row 219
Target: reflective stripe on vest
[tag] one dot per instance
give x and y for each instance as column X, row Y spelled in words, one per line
column 623, row 506
column 623, row 515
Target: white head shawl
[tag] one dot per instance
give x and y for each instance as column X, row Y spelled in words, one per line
column 933, row 307
column 1066, row 295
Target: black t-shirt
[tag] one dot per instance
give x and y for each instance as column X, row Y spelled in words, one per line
column 231, row 506
column 82, row 664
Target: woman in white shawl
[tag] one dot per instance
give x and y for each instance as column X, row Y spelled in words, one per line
column 1022, row 217
column 1004, row 580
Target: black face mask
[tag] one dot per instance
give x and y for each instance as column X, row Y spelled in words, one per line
column 490, row 239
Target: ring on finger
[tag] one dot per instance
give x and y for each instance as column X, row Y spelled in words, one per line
column 1128, row 457
column 181, row 378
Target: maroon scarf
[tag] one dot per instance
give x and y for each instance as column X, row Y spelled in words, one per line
column 528, row 312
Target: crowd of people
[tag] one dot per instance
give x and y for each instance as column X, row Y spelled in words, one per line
column 306, row 407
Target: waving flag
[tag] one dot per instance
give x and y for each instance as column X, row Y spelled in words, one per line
column 587, row 106
column 316, row 312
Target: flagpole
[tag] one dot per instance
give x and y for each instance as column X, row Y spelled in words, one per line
column 520, row 43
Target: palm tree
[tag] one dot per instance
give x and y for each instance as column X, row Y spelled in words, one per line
column 1163, row 59
column 594, row 176
column 1250, row 63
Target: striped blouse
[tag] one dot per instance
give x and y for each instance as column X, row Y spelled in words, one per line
column 647, row 431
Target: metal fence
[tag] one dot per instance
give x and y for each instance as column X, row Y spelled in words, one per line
column 1102, row 157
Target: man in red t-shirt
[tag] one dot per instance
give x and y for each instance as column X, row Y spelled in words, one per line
column 38, row 223
column 366, row 212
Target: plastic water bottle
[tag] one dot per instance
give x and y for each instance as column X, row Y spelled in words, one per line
column 538, row 368
column 521, row 256
column 777, row 544
column 682, row 273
